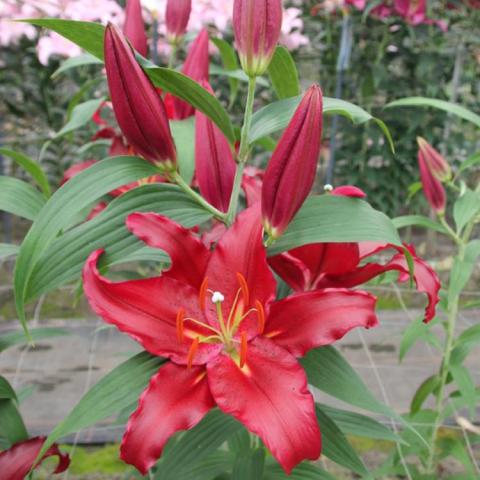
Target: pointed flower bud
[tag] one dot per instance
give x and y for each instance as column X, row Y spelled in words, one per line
column 176, row 18
column 435, row 162
column 197, row 67
column 432, row 187
column 134, row 26
column 138, row 107
column 215, row 165
column 257, row 25
column 291, row 171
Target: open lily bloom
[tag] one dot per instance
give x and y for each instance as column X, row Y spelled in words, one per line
column 230, row 344
column 17, row 461
column 327, row 265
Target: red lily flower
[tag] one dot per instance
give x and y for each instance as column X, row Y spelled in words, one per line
column 177, row 16
column 291, row 171
column 252, row 182
column 134, row 26
column 196, row 66
column 214, row 163
column 326, row 265
column 229, row 343
column 17, row 461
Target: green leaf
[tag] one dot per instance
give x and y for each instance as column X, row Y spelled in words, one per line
column 117, row 390
column 12, row 427
column 466, row 208
column 230, row 63
column 328, row 371
column 470, row 162
column 470, row 335
column 11, row 339
column 81, row 115
column 277, row 115
column 462, row 270
column 335, row 445
column 448, row 107
column 423, row 392
column 30, row 166
column 211, row 468
column 327, row 218
column 283, row 74
column 196, row 444
column 73, row 197
column 418, row 221
column 416, row 331
column 464, row 381
column 304, row 471
column 75, row 62
column 351, row 423
column 89, row 36
column 8, row 250
column 249, row 465
column 183, row 132
column 6, row 390
column 63, row 260
column 20, row 198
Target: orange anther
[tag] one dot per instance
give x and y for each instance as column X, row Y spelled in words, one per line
column 243, row 349
column 202, row 295
column 192, row 352
column 244, row 288
column 260, row 316
column 180, row 317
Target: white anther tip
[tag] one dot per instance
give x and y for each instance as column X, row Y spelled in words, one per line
column 328, row 187
column 217, row 297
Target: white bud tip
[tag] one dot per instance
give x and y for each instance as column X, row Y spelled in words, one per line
column 328, row 187
column 217, row 297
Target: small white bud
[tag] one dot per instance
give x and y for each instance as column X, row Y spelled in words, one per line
column 328, row 187
column 217, row 297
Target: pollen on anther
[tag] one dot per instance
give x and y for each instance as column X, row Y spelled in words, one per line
column 192, row 352
column 217, row 297
column 243, row 349
column 260, row 316
column 244, row 288
column 203, row 293
column 180, row 318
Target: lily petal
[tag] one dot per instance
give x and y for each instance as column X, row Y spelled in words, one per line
column 269, row 395
column 188, row 254
column 17, row 461
column 147, row 311
column 176, row 399
column 314, row 319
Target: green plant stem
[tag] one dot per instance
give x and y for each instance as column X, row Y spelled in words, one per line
column 243, row 153
column 197, row 198
column 450, row 230
column 173, row 55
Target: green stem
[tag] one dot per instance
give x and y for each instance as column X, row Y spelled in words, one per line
column 197, row 198
column 450, row 230
column 173, row 55
column 244, row 152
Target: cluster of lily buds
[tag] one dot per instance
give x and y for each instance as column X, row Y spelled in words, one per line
column 434, row 170
column 176, row 18
column 257, row 26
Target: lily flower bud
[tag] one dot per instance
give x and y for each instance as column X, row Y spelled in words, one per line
column 435, row 162
column 432, row 187
column 134, row 26
column 197, row 67
column 291, row 171
column 257, row 25
column 138, row 107
column 214, row 162
column 176, row 18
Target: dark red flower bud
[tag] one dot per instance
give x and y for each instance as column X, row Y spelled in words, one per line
column 291, row 171
column 176, row 17
column 432, row 187
column 196, row 66
column 139, row 109
column 215, row 165
column 435, row 162
column 257, row 25
column 134, row 26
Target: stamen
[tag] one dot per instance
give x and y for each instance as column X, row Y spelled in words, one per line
column 203, row 293
column 244, row 287
column 261, row 316
column 243, row 349
column 180, row 319
column 201, row 324
column 192, row 352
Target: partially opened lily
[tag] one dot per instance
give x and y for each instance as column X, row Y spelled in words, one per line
column 17, row 461
column 326, row 265
column 230, row 344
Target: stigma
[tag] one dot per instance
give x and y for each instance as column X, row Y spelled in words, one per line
column 217, row 297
